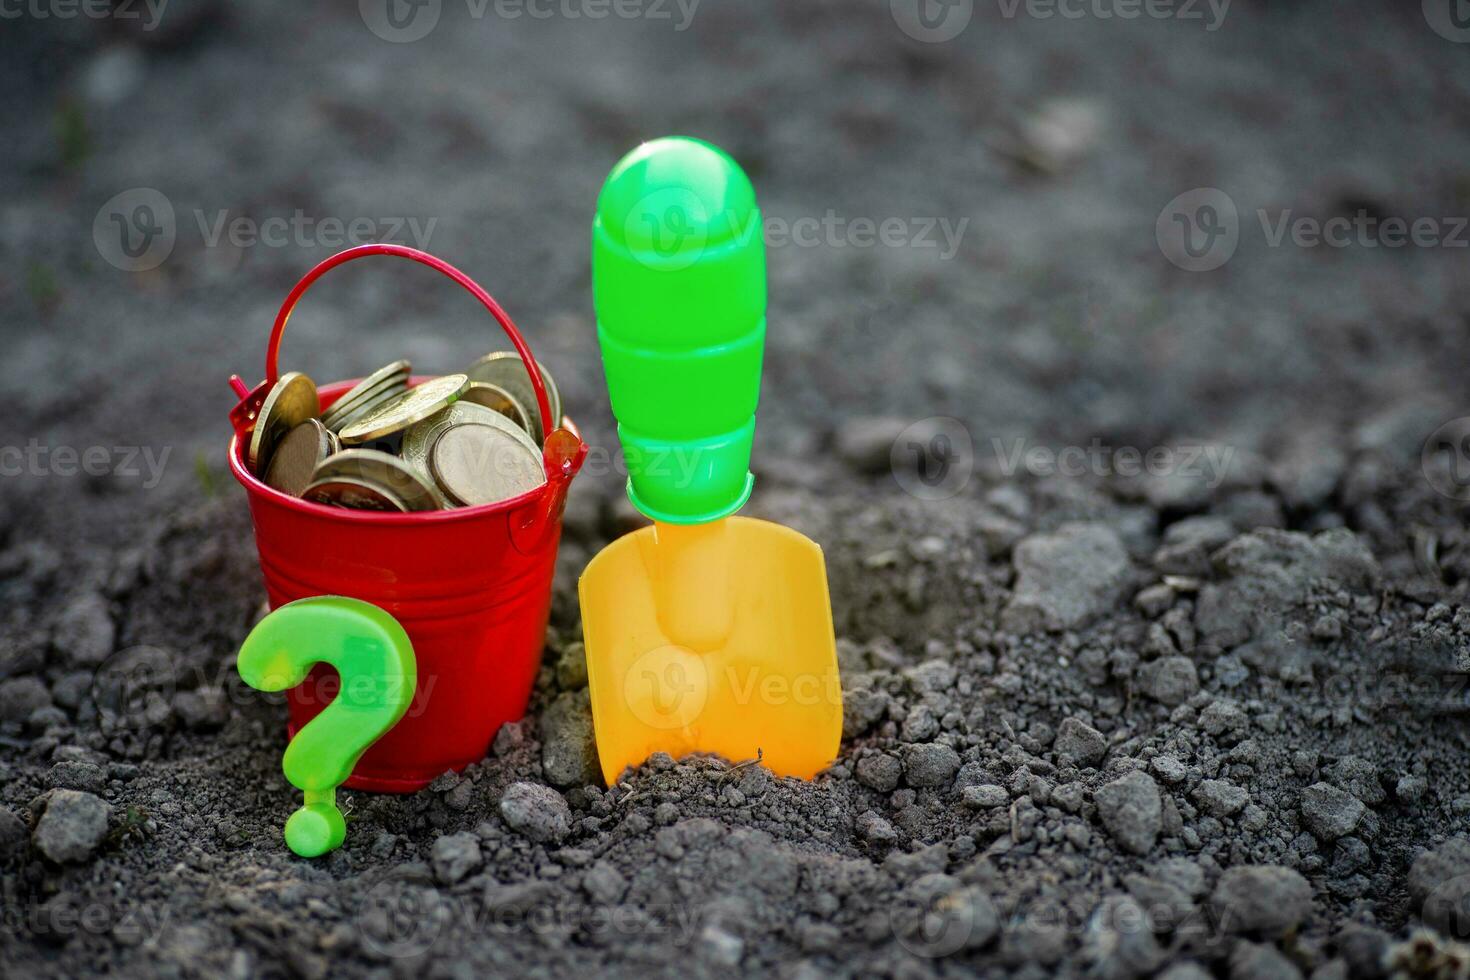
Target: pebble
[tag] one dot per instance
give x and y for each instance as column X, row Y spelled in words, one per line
column 20, row 697
column 1080, row 743
column 985, row 797
column 454, row 856
column 1439, row 885
column 1131, row 810
column 568, row 744
column 75, row 774
column 85, row 632
column 536, row 811
column 1254, row 961
column 930, row 764
column 604, row 884
column 1220, row 798
column 1155, row 600
column 72, row 827
column 1171, row 680
column 874, row 829
column 1168, row 768
column 1120, row 941
column 879, row 772
column 1066, row 579
column 1330, row 813
column 1265, row 898
column 866, row 443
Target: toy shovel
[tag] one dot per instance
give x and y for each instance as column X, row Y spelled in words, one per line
column 705, row 632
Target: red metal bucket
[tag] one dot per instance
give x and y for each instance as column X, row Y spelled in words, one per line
column 471, row 586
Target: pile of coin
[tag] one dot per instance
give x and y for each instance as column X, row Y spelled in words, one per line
column 455, row 441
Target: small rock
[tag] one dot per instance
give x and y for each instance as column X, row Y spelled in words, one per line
column 75, row 774
column 536, row 811
column 20, row 697
column 999, row 534
column 1265, row 898
column 12, row 835
column 985, row 797
column 866, row 444
column 1169, row 769
column 568, row 745
column 202, row 710
column 73, row 825
column 1252, row 961
column 1328, row 812
column 1171, row 680
column 1066, row 579
column 571, row 667
column 720, row 947
column 604, row 883
column 1131, row 810
column 1155, row 600
column 874, row 829
column 85, row 633
column 880, row 772
column 1120, row 940
column 930, row 764
column 1080, row 742
column 1220, row 798
column 454, row 856
column 1439, row 886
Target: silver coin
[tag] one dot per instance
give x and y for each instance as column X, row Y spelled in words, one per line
column 418, row 440
column 371, row 402
column 353, row 494
column 505, row 368
column 292, row 400
column 298, row 455
column 482, row 464
column 498, row 399
column 366, row 392
column 405, row 409
column 381, row 470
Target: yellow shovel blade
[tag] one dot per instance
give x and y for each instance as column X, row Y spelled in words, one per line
column 767, row 686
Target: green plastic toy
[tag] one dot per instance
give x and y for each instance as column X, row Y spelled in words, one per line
column 707, row 632
column 375, row 660
column 679, row 272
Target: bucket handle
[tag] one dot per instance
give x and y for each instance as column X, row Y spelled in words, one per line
column 439, row 265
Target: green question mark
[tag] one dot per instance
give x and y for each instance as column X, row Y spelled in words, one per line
column 379, row 674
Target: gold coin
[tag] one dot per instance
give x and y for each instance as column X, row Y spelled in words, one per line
column 481, row 464
column 373, row 382
column 405, row 409
column 382, row 470
column 353, row 494
column 392, row 388
column 290, row 402
column 418, row 440
column 505, row 368
column 297, row 456
column 499, row 400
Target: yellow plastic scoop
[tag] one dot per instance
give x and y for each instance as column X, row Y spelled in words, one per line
column 704, row 632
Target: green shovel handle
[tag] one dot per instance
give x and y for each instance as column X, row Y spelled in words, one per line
column 679, row 285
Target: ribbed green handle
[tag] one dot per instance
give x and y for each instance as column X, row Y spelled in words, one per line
column 679, row 284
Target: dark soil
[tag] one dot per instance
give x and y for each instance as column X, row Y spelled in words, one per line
column 1206, row 718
